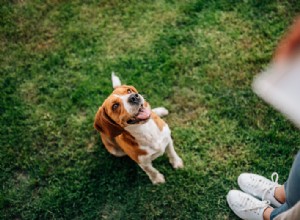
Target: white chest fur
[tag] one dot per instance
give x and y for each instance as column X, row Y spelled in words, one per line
column 155, row 142
column 148, row 135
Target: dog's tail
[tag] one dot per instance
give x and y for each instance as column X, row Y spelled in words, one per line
column 116, row 82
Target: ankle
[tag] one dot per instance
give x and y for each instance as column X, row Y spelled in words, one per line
column 279, row 194
column 267, row 213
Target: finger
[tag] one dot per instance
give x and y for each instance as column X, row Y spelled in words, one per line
column 290, row 42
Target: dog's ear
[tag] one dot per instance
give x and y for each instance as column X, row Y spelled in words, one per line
column 103, row 123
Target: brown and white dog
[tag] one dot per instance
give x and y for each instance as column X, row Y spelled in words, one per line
column 128, row 126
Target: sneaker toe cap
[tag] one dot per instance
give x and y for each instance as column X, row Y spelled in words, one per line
column 243, row 181
column 232, row 196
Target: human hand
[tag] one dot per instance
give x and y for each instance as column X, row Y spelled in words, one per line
column 290, row 43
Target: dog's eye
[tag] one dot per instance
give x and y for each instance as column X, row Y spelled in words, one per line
column 115, row 106
column 129, row 91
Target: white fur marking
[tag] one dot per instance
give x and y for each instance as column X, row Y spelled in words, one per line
column 116, row 82
column 161, row 111
column 131, row 109
column 155, row 142
column 150, row 136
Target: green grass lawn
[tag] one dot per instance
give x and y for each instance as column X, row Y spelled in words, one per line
column 195, row 57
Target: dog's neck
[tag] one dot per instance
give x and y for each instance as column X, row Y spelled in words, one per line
column 141, row 132
column 138, row 129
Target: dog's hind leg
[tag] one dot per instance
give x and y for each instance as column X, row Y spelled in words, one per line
column 114, row 150
column 112, row 147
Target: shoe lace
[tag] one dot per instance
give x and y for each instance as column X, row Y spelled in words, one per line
column 253, row 206
column 272, row 177
column 268, row 190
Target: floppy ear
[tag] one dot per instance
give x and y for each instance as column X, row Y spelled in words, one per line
column 103, row 123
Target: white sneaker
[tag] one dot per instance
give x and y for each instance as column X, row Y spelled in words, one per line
column 259, row 186
column 245, row 206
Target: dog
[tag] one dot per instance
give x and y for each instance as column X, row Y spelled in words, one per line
column 128, row 126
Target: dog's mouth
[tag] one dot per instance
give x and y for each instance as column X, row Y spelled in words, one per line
column 142, row 116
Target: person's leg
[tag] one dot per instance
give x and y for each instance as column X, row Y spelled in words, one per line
column 292, row 185
column 267, row 213
column 291, row 188
column 261, row 187
column 246, row 206
column 278, row 211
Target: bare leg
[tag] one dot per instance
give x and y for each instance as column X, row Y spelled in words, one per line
column 174, row 159
column 279, row 194
column 290, row 193
column 267, row 213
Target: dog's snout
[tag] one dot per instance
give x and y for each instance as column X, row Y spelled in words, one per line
column 134, row 99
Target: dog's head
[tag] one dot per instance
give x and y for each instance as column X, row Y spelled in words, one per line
column 124, row 107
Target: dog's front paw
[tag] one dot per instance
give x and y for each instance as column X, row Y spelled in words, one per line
column 177, row 163
column 159, row 179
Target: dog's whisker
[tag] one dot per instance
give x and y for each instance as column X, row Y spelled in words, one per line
column 144, row 96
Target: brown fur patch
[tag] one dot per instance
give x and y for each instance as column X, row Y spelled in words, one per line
column 124, row 89
column 103, row 123
column 118, row 115
column 128, row 144
column 123, row 143
column 158, row 121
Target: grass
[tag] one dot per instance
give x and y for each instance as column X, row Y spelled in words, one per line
column 195, row 57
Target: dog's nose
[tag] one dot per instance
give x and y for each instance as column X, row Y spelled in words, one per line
column 134, row 99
